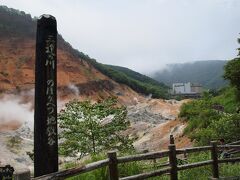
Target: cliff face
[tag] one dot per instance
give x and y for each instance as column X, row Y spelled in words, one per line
column 76, row 77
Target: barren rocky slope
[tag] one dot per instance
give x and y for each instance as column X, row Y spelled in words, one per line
column 152, row 121
column 75, row 76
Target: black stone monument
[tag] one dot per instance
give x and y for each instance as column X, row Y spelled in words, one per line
column 45, row 116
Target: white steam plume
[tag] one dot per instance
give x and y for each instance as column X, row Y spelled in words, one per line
column 20, row 108
column 11, row 109
column 74, row 89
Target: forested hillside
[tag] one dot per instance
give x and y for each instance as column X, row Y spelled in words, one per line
column 207, row 73
column 135, row 80
column 205, row 123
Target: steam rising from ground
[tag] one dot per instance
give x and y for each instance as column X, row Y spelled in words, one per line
column 74, row 89
column 13, row 109
column 18, row 109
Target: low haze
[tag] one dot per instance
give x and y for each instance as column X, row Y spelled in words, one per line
column 144, row 35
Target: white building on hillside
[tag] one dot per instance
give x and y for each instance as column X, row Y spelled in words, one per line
column 186, row 88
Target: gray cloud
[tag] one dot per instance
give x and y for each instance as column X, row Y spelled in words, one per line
column 144, row 35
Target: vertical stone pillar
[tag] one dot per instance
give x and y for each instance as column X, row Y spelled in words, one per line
column 45, row 116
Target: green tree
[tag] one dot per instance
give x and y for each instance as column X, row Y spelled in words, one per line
column 228, row 127
column 232, row 72
column 93, row 127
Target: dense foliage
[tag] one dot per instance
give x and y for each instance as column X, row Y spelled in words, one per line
column 16, row 23
column 137, row 82
column 206, row 123
column 232, row 73
column 137, row 76
column 207, row 73
column 90, row 128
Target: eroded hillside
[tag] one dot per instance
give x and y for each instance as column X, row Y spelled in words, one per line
column 75, row 76
column 152, row 121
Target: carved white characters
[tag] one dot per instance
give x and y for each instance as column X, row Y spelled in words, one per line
column 50, row 104
column 50, row 48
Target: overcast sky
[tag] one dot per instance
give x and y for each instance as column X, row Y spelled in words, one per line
column 144, row 35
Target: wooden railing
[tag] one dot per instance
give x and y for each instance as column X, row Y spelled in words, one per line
column 170, row 168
